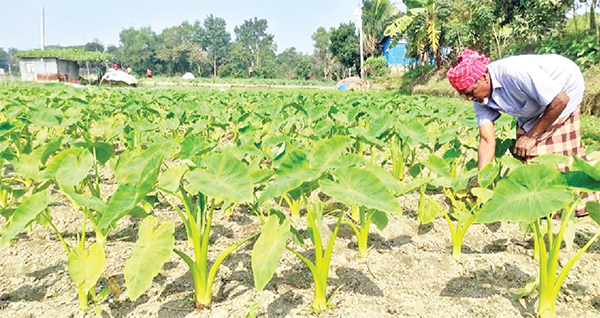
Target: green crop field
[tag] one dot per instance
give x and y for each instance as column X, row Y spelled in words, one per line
column 291, row 160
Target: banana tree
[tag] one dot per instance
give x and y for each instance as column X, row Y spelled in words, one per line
column 424, row 14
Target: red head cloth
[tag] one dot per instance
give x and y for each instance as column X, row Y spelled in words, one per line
column 469, row 68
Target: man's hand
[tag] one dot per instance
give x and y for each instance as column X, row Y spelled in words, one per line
column 524, row 145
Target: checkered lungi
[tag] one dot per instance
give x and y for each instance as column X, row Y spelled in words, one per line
column 563, row 137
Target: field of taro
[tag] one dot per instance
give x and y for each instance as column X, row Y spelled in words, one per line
column 278, row 203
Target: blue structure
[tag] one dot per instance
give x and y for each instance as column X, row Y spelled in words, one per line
column 395, row 55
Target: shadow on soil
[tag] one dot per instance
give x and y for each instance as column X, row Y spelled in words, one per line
column 375, row 240
column 486, row 283
column 29, row 292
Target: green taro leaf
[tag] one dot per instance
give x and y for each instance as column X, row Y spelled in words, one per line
column 103, row 150
column 483, row 195
column 328, row 151
column 551, row 158
column 170, row 179
column 129, row 194
column 150, row 252
column 55, row 163
column 593, row 172
column 226, row 179
column 85, row 200
column 27, row 166
column 25, row 213
column 593, row 208
column 388, row 180
column 360, row 187
column 437, row 165
column 580, row 180
column 74, row 169
column 140, row 166
column 412, row 185
column 44, row 117
column 414, row 132
column 511, row 162
column 268, row 249
column 380, row 219
column 363, row 136
column 292, row 173
column 429, row 213
column 50, row 148
column 195, row 145
column 85, row 268
column 528, row 193
column 488, row 174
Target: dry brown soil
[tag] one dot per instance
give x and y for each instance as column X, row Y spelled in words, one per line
column 408, row 273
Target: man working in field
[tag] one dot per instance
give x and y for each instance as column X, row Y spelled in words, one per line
column 544, row 93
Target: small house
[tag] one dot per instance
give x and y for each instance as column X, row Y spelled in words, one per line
column 56, row 65
column 48, row 69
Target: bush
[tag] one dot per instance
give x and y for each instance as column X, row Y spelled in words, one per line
column 376, row 67
column 585, row 52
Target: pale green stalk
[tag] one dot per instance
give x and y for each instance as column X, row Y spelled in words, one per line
column 362, row 231
column 550, row 282
column 320, row 268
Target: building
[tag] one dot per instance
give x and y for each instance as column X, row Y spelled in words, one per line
column 48, row 69
column 395, row 55
column 56, row 65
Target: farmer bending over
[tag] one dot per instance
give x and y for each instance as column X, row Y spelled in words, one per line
column 542, row 91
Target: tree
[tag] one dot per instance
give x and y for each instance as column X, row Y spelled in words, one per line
column 173, row 47
column 94, row 46
column 532, row 20
column 216, row 41
column 304, row 66
column 4, row 59
column 112, row 50
column 322, row 52
column 287, row 62
column 424, row 19
column 199, row 58
column 13, row 60
column 345, row 45
column 138, row 48
column 252, row 39
column 376, row 16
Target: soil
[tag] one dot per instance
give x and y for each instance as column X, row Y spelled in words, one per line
column 409, row 272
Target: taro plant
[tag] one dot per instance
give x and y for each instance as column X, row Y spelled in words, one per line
column 223, row 179
column 293, row 172
column 534, row 194
column 465, row 203
column 70, row 170
column 369, row 199
column 272, row 242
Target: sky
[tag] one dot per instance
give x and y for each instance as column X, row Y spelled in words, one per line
column 76, row 22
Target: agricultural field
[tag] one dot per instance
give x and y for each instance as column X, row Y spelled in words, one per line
column 192, row 202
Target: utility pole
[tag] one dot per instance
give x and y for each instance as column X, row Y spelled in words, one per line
column 360, row 35
column 42, row 30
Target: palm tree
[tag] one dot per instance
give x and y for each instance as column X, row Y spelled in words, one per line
column 377, row 15
column 422, row 17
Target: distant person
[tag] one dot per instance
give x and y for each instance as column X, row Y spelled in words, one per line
column 148, row 73
column 116, row 66
column 544, row 93
column 129, row 70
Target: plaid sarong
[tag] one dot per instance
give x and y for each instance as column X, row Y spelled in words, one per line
column 563, row 137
